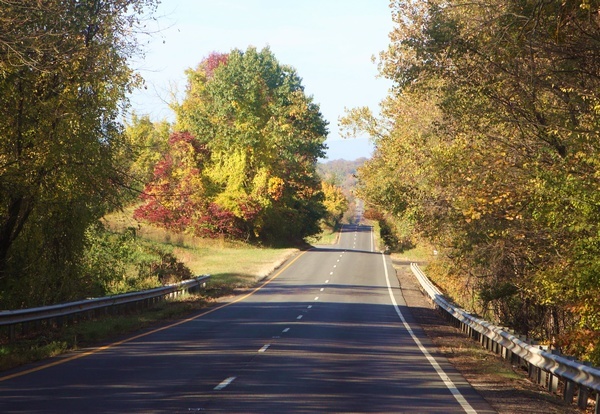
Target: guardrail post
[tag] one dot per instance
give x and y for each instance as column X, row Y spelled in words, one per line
column 544, row 376
column 569, row 391
column 552, row 383
column 506, row 353
column 582, row 398
column 514, row 358
column 531, row 371
column 597, row 409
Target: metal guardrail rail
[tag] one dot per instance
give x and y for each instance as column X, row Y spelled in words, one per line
column 61, row 313
column 545, row 367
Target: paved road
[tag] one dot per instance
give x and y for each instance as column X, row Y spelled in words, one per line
column 330, row 333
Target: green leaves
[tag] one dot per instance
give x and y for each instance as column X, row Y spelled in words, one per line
column 488, row 146
column 263, row 137
column 64, row 78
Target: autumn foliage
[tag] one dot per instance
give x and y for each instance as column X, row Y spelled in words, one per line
column 175, row 199
column 242, row 163
column 488, row 149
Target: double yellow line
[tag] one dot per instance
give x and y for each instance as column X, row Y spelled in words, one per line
column 163, row 328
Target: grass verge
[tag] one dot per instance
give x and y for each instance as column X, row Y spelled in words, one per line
column 232, row 261
column 505, row 387
column 420, row 254
column 86, row 333
column 329, row 236
column 232, row 266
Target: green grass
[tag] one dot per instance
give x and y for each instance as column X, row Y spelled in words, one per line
column 232, row 265
column 242, row 259
column 217, row 257
column 328, row 237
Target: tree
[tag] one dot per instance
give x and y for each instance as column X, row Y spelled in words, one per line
column 262, row 137
column 499, row 169
column 64, row 77
column 335, row 203
column 177, row 197
column 146, row 142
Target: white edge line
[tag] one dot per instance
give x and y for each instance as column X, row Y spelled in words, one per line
column 444, row 377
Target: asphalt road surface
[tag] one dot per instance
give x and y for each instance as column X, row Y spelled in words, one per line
column 329, row 332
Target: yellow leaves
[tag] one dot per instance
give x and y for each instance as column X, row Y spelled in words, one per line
column 585, row 5
column 471, row 215
column 228, row 169
column 335, row 201
column 275, row 188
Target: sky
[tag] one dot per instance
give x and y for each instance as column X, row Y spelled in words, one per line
column 330, row 43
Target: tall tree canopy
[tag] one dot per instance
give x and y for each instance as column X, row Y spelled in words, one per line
column 243, row 163
column 489, row 147
column 64, row 77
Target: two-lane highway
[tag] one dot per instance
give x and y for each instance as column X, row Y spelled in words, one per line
column 328, row 333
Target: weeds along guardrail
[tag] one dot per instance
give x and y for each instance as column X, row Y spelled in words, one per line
column 14, row 322
column 547, row 368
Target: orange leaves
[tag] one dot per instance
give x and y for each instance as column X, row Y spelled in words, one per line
column 276, row 187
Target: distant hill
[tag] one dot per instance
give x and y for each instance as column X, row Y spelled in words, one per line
column 342, row 172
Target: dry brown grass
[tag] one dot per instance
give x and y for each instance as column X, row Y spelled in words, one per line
column 505, row 387
column 220, row 258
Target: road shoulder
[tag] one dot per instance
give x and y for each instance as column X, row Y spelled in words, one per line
column 507, row 390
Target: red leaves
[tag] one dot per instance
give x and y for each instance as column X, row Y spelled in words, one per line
column 216, row 221
column 213, row 61
column 175, row 199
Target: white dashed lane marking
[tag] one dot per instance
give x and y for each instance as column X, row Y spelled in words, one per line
column 264, row 348
column 224, row 383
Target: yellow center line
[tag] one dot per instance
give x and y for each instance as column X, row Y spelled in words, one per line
column 133, row 338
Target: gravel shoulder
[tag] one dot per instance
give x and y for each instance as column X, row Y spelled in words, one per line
column 505, row 388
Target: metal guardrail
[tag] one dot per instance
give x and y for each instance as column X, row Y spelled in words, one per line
column 58, row 314
column 546, row 368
